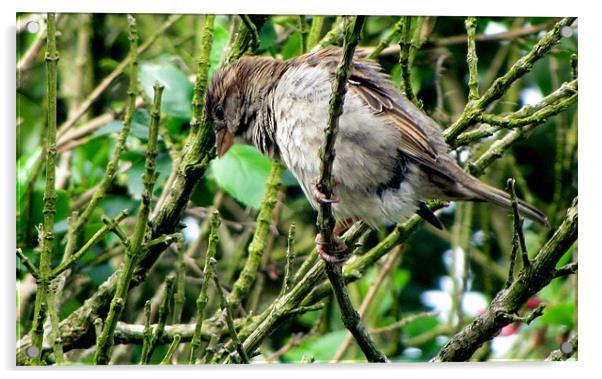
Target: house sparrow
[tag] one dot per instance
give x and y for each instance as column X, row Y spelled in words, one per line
column 390, row 156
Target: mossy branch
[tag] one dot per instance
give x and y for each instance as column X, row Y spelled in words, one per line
column 471, row 59
column 203, row 297
column 46, row 236
column 200, row 83
column 198, row 151
column 164, row 309
column 135, row 248
column 242, row 286
column 535, row 114
column 507, row 302
column 503, row 83
column 315, row 31
column 405, row 45
column 227, row 309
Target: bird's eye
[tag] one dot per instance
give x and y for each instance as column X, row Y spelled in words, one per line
column 219, row 112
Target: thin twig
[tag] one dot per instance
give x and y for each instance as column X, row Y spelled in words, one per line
column 501, row 84
column 105, row 342
column 203, row 297
column 471, row 59
column 227, row 309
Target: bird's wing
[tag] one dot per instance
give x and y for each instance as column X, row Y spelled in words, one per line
column 374, row 88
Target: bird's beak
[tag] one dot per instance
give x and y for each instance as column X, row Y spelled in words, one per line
column 225, row 139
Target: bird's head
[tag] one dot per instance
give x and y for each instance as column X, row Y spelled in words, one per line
column 237, row 99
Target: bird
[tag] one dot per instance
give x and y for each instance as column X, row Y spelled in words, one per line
column 390, row 156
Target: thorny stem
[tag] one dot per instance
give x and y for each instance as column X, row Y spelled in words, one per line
column 198, row 151
column 49, row 208
column 405, row 46
column 134, row 250
column 519, row 238
column 326, row 221
column 227, row 309
column 172, row 348
column 501, row 84
column 243, row 284
column 471, row 59
column 203, row 297
column 290, row 258
column 164, row 309
column 508, row 301
column 317, row 24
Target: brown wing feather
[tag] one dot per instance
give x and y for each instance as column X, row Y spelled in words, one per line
column 373, row 87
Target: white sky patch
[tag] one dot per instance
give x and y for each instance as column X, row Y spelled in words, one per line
column 478, row 238
column 441, row 300
column 530, row 96
column 412, row 352
column 463, row 157
column 501, row 346
column 494, row 28
column 192, row 229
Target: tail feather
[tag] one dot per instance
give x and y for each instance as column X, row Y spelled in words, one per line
column 502, row 199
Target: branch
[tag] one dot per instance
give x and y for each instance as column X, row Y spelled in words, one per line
column 471, row 59
column 508, row 301
column 164, row 309
column 501, row 84
column 227, row 309
column 567, row 350
column 326, row 221
column 536, row 114
column 46, row 236
column 28, row 264
column 198, row 151
column 404, row 60
column 135, row 248
column 241, row 287
column 317, row 24
column 97, row 237
column 203, row 297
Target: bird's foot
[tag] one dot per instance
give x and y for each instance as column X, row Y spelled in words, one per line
column 320, row 196
column 333, row 253
column 342, row 226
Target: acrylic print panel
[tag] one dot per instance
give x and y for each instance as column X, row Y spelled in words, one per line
column 137, row 244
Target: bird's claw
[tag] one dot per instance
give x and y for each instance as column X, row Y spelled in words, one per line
column 333, row 253
column 320, row 197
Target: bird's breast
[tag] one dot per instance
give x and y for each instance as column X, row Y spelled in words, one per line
column 368, row 171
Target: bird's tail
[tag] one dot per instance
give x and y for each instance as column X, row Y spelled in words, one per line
column 485, row 192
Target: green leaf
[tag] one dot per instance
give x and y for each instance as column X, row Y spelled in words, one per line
column 220, row 39
column 138, row 129
column 560, row 314
column 267, row 38
column 419, row 326
column 322, row 348
column 243, row 172
column 401, row 278
column 25, row 166
column 177, row 96
column 63, row 208
column 292, row 47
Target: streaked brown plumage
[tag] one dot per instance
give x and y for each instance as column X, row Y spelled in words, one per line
column 390, row 155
